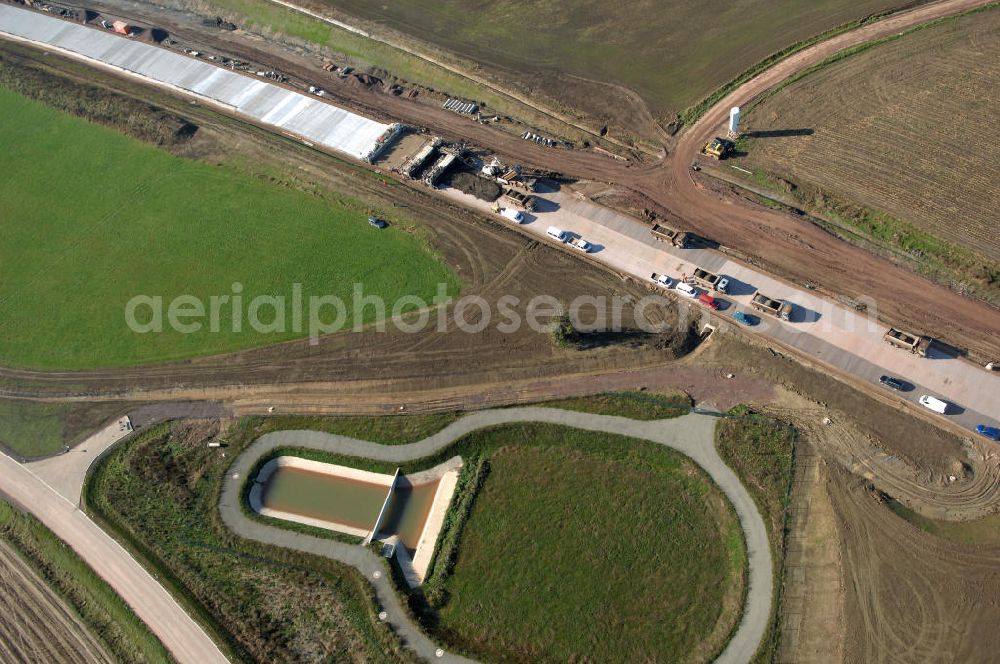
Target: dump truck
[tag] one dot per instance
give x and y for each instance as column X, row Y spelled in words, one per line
column 779, row 308
column 667, row 234
column 519, row 200
column 718, row 148
column 914, row 343
column 705, row 278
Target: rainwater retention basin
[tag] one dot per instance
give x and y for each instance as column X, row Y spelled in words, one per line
column 405, row 511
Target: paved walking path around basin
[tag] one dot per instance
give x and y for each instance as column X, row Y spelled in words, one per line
column 692, row 435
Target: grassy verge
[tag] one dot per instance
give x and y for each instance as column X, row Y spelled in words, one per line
column 632, row 404
column 470, row 481
column 761, row 452
column 125, row 114
column 90, row 202
column 559, row 509
column 380, row 58
column 100, row 608
column 159, row 493
column 32, row 429
column 978, row 532
column 385, row 429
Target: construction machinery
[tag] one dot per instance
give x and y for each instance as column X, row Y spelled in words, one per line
column 706, row 278
column 916, row 344
column 718, row 148
column 519, row 200
column 779, row 308
column 666, row 234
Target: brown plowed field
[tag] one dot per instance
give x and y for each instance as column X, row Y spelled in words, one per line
column 35, row 624
column 909, row 127
column 623, row 64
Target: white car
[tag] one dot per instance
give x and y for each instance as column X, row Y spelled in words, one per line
column 687, row 289
column 723, row 285
column 662, row 280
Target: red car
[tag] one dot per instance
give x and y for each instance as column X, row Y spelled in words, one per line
column 708, row 300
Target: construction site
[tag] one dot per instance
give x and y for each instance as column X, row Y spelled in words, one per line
column 847, row 399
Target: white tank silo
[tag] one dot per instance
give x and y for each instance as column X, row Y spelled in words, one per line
column 734, row 120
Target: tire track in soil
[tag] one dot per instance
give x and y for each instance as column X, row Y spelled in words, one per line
column 911, row 597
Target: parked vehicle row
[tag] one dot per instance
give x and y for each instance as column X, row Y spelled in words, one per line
column 574, row 241
column 935, row 404
column 685, row 289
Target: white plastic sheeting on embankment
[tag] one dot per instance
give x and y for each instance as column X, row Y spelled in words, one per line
column 314, row 120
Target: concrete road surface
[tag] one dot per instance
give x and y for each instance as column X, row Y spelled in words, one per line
column 182, row 636
column 831, row 333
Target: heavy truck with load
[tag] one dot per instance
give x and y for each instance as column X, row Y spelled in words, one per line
column 778, row 308
column 710, row 281
column 916, row 344
column 518, row 200
column 666, row 234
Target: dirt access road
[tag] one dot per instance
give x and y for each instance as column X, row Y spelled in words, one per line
column 790, row 246
column 802, row 249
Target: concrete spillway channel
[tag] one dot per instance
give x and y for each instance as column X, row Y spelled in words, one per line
column 692, row 435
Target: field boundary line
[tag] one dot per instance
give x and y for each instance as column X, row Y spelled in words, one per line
column 510, row 94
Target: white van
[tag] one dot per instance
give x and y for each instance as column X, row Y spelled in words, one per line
column 687, row 289
column 556, row 233
column 513, row 215
column 934, row 404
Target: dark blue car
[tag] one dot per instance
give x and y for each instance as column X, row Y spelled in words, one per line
column 992, row 433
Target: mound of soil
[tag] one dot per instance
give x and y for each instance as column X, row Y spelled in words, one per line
column 129, row 115
column 478, row 186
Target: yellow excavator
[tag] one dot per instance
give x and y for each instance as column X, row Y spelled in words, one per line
column 717, row 148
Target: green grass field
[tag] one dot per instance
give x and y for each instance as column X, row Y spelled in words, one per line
column 32, row 429
column 100, row 608
column 672, row 53
column 570, row 557
column 35, row 429
column 92, row 218
column 761, row 450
